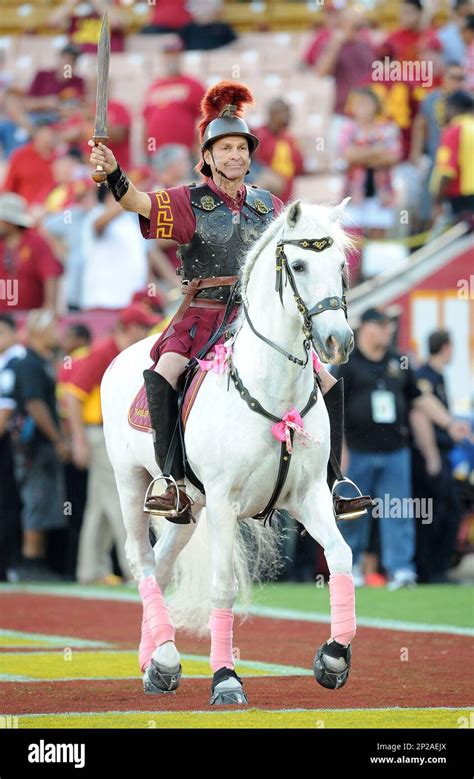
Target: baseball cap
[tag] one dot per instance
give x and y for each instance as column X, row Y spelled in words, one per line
column 136, row 314
column 374, row 315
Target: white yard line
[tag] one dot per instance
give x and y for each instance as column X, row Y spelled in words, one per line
column 50, row 640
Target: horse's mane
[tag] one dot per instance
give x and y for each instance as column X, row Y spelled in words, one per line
column 258, row 247
column 342, row 240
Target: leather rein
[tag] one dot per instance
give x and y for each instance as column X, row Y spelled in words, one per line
column 282, row 267
column 327, row 304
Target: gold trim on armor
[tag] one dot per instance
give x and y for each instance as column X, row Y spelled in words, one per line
column 208, row 203
column 260, row 206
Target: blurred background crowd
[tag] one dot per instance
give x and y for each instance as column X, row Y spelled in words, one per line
column 370, row 100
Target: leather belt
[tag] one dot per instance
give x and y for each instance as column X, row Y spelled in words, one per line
column 194, row 286
column 207, row 303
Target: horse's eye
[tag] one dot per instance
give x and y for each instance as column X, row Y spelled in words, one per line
column 298, row 267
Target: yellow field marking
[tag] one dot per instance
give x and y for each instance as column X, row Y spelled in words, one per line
column 10, row 641
column 71, row 664
column 256, row 718
column 19, row 638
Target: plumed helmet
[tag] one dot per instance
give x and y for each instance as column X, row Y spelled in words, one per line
column 222, row 112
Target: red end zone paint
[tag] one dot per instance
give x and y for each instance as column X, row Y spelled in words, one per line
column 379, row 677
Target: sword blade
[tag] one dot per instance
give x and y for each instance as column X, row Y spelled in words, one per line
column 103, row 60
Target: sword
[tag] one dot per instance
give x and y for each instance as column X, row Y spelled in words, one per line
column 103, row 59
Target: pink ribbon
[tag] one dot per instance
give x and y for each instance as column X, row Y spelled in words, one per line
column 292, row 421
column 220, row 360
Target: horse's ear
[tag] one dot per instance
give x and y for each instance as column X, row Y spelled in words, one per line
column 294, row 213
column 336, row 212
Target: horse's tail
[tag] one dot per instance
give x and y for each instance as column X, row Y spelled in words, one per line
column 257, row 557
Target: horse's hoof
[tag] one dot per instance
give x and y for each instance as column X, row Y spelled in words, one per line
column 158, row 681
column 331, row 664
column 226, row 689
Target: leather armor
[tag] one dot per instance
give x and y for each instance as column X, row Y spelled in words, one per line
column 220, row 243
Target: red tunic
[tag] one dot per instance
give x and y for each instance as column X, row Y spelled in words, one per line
column 173, row 217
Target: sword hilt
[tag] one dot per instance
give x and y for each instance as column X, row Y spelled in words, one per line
column 99, row 175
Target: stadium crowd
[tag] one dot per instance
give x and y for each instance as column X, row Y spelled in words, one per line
column 79, row 283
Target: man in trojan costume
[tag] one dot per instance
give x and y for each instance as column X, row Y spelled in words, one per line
column 214, row 223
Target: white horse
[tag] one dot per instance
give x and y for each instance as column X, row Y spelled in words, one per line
column 236, row 457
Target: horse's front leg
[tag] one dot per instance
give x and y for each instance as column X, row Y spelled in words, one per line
column 226, row 688
column 333, row 659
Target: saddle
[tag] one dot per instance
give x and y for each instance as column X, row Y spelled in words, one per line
column 139, row 416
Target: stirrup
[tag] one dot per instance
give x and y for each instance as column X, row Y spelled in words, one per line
column 354, row 513
column 169, row 480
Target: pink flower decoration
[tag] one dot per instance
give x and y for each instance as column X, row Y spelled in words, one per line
column 220, row 360
column 292, row 421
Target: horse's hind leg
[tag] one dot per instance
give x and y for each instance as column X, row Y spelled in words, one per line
column 171, row 542
column 332, row 662
column 157, row 629
column 173, row 538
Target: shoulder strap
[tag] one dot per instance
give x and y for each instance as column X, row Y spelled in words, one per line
column 259, row 200
column 203, row 198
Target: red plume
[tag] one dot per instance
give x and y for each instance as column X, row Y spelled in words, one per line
column 219, row 96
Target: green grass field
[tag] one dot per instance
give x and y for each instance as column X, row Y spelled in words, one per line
column 430, row 604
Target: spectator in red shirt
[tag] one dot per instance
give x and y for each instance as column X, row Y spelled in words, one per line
column 343, row 50
column 404, row 44
column 29, row 270
column 453, row 175
column 168, row 16
column 50, row 88
column 30, row 169
column 172, row 105
column 120, row 124
column 278, row 152
column 102, row 517
column 77, row 124
column 83, row 28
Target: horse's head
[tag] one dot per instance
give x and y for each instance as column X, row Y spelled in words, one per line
column 311, row 252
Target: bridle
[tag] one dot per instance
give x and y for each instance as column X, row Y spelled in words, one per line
column 282, row 267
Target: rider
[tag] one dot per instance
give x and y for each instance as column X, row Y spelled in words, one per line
column 215, row 224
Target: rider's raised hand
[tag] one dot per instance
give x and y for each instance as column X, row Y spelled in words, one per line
column 102, row 155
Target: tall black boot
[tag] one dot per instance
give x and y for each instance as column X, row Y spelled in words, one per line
column 344, row 508
column 334, row 400
column 163, row 407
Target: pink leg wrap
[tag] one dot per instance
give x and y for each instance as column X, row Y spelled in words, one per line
column 342, row 598
column 147, row 646
column 220, row 624
column 155, row 611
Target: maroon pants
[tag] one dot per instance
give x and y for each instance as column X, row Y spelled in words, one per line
column 190, row 335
